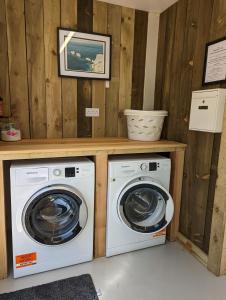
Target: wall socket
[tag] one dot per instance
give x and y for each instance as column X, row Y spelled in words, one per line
column 92, row 112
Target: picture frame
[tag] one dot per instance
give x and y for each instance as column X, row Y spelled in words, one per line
column 84, row 55
column 215, row 62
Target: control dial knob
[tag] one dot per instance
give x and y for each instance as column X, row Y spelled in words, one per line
column 56, row 172
column 144, row 167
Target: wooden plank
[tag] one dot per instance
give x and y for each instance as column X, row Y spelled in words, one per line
column 217, row 248
column 170, row 32
column 53, row 82
column 202, row 142
column 183, row 134
column 160, row 60
column 101, row 163
column 36, row 67
column 126, row 62
column 193, row 249
column 4, row 62
column 112, row 93
column 18, row 64
column 177, row 166
column 139, row 59
column 98, row 86
column 74, row 147
column 85, row 23
column 175, row 70
column 211, row 191
column 69, row 85
column 3, row 245
column 218, row 24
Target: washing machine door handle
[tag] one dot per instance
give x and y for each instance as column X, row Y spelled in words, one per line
column 145, row 206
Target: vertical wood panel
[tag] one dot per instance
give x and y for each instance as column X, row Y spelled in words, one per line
column 139, row 58
column 98, row 86
column 170, row 32
column 85, row 23
column 69, row 85
column 175, row 70
column 185, row 100
column 53, row 82
column 112, row 93
column 36, row 67
column 202, row 153
column 18, row 64
column 160, row 60
column 101, row 162
column 126, row 62
column 218, row 30
column 4, row 63
column 3, row 248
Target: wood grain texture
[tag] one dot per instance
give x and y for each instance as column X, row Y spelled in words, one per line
column 177, row 76
column 139, row 58
column 112, row 93
column 217, row 249
column 193, row 249
column 53, row 82
column 69, row 85
column 160, row 60
column 85, row 24
column 98, row 86
column 101, row 163
column 126, row 62
column 18, row 64
column 3, row 245
column 4, row 62
column 36, row 67
column 170, row 33
column 177, row 167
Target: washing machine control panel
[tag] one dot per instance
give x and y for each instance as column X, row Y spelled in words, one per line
column 64, row 172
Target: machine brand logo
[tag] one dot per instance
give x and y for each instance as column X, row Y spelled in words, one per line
column 26, row 260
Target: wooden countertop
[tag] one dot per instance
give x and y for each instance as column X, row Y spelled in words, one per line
column 45, row 148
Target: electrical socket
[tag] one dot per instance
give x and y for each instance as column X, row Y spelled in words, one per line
column 92, row 112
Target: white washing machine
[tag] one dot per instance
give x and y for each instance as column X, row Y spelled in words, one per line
column 139, row 206
column 52, row 208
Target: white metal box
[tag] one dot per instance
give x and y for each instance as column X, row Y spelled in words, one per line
column 207, row 110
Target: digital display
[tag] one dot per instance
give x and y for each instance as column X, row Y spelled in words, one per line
column 69, row 172
column 153, row 166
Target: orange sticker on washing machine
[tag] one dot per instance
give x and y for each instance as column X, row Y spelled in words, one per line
column 160, row 233
column 26, row 260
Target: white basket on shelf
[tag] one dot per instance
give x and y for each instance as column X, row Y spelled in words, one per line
column 145, row 125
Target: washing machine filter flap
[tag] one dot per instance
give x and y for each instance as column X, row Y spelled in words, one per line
column 55, row 215
column 145, row 207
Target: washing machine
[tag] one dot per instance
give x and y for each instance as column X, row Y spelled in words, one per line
column 139, row 206
column 52, row 209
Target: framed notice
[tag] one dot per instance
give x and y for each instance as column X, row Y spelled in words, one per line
column 215, row 62
column 84, row 55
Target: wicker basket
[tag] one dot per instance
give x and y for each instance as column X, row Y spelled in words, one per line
column 145, row 125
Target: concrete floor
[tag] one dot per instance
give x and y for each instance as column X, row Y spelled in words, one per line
column 160, row 273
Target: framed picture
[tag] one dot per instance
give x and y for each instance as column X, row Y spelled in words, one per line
column 215, row 62
column 84, row 55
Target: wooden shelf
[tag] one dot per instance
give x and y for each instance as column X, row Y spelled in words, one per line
column 99, row 148
column 27, row 149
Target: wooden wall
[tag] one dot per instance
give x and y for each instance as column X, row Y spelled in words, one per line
column 185, row 28
column 47, row 106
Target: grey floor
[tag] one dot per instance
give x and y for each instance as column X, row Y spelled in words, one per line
column 160, row 273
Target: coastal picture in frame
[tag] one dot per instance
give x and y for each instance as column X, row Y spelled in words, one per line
column 84, row 55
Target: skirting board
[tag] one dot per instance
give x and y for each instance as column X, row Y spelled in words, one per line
column 193, row 249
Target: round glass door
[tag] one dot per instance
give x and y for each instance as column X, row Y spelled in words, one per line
column 52, row 217
column 142, row 207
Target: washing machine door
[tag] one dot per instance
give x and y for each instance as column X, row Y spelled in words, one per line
column 145, row 206
column 55, row 215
